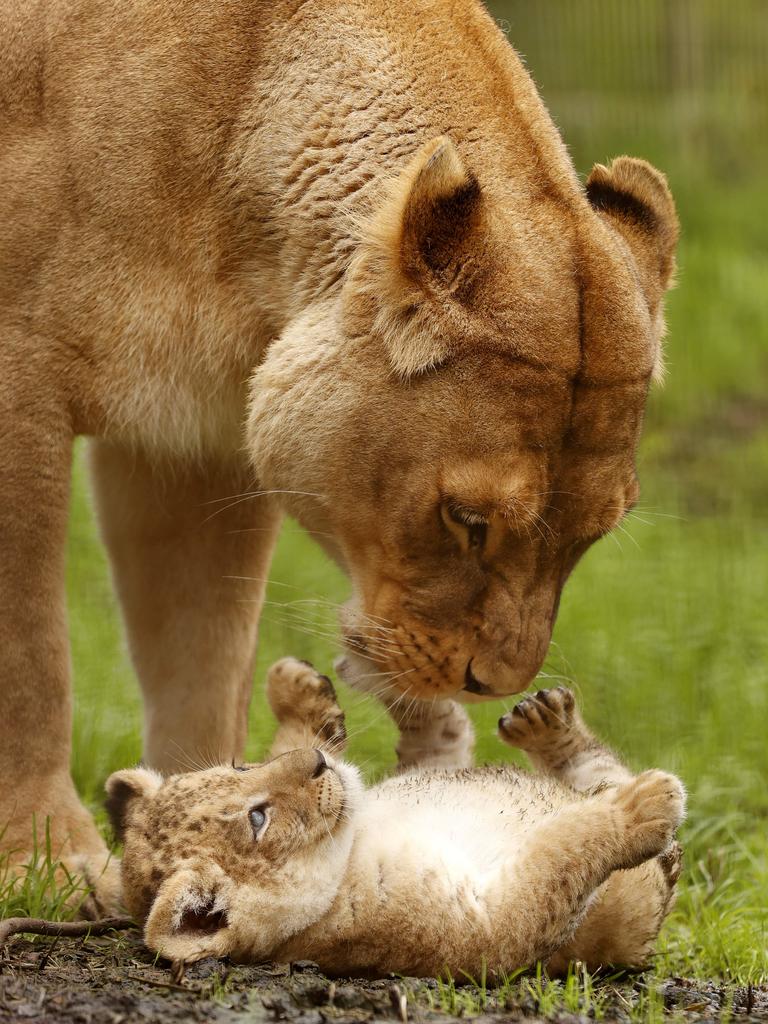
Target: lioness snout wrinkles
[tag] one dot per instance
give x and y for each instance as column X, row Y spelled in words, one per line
column 326, row 258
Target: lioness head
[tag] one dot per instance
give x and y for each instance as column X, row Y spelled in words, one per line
column 460, row 423
column 233, row 861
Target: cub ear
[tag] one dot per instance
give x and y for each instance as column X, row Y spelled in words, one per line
column 635, row 198
column 123, row 790
column 419, row 254
column 189, row 919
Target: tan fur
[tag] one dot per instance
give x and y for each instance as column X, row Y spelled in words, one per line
column 489, row 868
column 350, row 226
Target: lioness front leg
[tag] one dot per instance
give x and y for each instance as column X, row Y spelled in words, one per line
column 543, row 896
column 549, row 728
column 36, row 705
column 433, row 734
column 190, row 546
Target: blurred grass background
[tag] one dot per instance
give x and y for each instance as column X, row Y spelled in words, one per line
column 663, row 628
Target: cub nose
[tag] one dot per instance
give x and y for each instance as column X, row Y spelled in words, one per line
column 321, row 765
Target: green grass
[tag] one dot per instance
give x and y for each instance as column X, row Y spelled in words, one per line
column 45, row 888
column 579, row 993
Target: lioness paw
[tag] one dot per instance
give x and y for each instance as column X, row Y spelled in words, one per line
column 651, row 808
column 298, row 693
column 540, row 720
column 105, row 894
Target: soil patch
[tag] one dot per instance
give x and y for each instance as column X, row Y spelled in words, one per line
column 115, row 980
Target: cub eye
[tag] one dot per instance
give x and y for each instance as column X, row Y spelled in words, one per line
column 473, row 525
column 258, row 819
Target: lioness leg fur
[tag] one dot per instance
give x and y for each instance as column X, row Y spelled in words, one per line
column 190, row 569
column 433, row 734
column 304, row 703
column 624, row 919
column 35, row 726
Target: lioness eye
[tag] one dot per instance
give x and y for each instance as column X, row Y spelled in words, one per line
column 258, row 819
column 475, row 524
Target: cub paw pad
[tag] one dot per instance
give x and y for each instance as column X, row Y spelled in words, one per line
column 653, row 807
column 298, row 692
column 539, row 718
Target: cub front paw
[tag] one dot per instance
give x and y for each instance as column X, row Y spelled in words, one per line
column 540, row 720
column 298, row 693
column 652, row 807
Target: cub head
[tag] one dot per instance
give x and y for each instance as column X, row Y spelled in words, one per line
column 233, row 861
column 458, row 424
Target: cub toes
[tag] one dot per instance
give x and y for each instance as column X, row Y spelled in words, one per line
column 652, row 807
column 538, row 718
column 297, row 690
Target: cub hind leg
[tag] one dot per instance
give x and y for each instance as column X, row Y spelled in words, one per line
column 623, row 922
column 542, row 898
column 305, row 706
column 628, row 911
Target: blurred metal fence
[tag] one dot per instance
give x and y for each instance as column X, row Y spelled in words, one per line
column 687, row 77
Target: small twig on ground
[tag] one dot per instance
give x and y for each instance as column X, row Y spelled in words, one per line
column 67, row 929
column 160, row 983
column 45, row 958
column 399, row 1003
column 178, row 970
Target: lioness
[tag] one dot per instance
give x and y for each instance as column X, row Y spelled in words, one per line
column 489, row 867
column 323, row 257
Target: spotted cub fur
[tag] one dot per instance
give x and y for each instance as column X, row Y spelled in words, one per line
column 491, row 867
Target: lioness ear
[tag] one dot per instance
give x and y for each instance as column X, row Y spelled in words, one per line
column 123, row 789
column 189, row 917
column 635, row 198
column 440, row 209
column 419, row 251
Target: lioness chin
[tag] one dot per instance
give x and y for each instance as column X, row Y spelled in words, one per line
column 325, row 258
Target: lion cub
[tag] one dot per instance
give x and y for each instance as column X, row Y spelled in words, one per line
column 434, row 870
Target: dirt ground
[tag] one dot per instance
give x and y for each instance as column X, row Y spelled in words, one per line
column 113, row 979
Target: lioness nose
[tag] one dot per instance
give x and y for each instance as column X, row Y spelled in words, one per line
column 474, row 685
column 486, row 677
